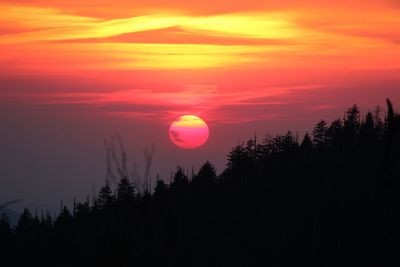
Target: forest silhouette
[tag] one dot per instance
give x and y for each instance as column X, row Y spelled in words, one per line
column 329, row 199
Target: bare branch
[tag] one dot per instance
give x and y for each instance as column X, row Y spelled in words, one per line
column 117, row 164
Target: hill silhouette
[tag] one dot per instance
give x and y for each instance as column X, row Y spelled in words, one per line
column 329, row 199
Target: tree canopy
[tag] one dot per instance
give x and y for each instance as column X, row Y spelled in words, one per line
column 328, row 199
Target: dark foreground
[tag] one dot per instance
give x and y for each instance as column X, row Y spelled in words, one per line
column 330, row 199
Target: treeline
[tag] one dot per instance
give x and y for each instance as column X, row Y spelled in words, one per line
column 330, row 199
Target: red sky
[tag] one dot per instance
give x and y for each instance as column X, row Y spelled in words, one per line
column 74, row 72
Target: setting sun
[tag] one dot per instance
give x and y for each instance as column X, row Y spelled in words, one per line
column 189, row 131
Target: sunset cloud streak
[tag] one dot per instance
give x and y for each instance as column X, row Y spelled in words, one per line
column 163, row 51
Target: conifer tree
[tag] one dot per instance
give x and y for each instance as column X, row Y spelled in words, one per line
column 320, row 134
column 105, row 197
column 125, row 190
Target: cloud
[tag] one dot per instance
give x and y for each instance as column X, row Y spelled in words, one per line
column 229, row 59
column 43, row 24
column 43, row 38
column 201, row 99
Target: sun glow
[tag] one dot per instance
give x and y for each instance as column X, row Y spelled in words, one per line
column 189, row 131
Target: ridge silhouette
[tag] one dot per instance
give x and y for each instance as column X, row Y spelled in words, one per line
column 330, row 199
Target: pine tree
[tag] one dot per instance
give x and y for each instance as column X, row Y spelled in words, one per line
column 307, row 142
column 105, row 197
column 390, row 118
column 47, row 221
column 335, row 134
column 161, row 189
column 64, row 219
column 379, row 124
column 125, row 190
column 352, row 121
column 320, row 134
column 367, row 128
column 25, row 223
column 206, row 175
column 180, row 179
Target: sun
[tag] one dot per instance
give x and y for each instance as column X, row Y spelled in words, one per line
column 189, row 132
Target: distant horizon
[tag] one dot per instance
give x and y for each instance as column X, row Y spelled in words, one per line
column 21, row 204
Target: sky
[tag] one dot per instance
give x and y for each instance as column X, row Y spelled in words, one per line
column 73, row 73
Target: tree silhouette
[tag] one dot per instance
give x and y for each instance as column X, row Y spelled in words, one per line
column 330, row 200
column 320, row 134
column 125, row 191
column 105, row 197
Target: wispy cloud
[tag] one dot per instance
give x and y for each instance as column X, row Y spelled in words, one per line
column 196, row 98
column 39, row 38
column 233, row 60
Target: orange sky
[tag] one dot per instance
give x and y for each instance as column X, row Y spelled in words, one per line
column 188, row 54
